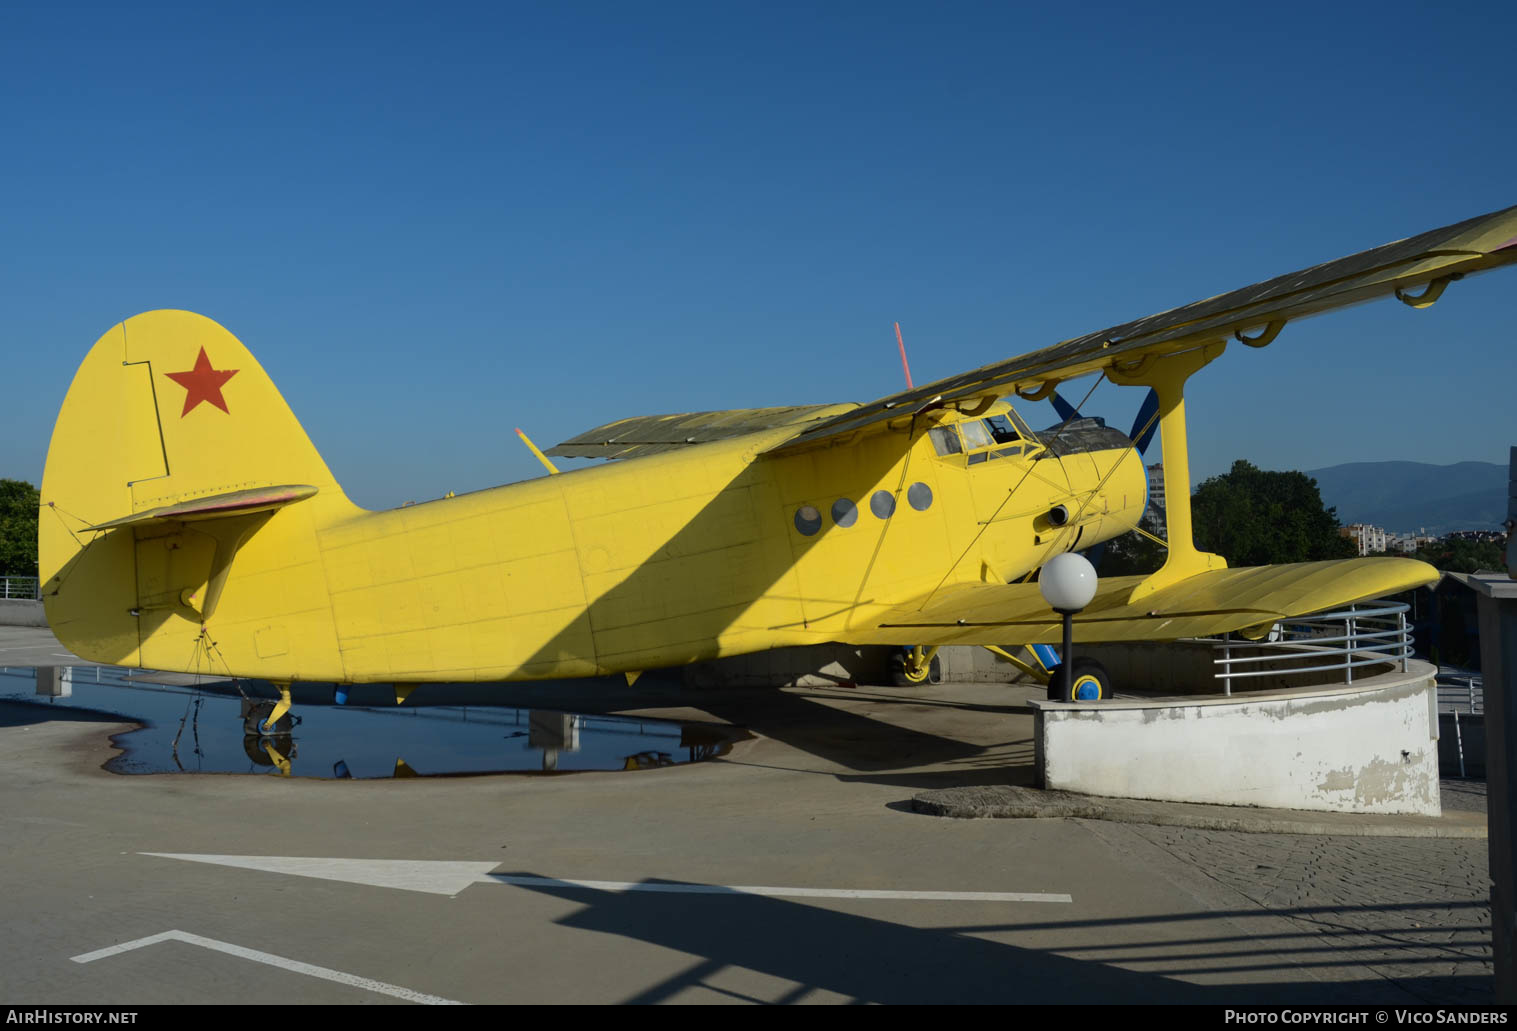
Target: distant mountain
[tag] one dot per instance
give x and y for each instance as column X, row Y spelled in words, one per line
column 1405, row 496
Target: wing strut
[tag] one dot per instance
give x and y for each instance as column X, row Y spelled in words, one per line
column 1167, row 376
column 552, row 469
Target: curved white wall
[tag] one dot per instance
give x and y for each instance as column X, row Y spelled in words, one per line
column 1370, row 748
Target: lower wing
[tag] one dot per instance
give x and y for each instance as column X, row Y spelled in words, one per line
column 1214, row 602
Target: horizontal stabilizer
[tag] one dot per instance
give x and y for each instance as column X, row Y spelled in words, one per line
column 216, row 506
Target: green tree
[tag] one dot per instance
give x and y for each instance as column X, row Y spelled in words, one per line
column 1453, row 555
column 1249, row 516
column 1255, row 517
column 18, row 528
column 1132, row 553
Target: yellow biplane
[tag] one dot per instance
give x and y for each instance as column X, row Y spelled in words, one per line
column 189, row 524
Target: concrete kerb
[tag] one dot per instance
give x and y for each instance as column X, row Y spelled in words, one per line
column 21, row 612
column 1011, row 802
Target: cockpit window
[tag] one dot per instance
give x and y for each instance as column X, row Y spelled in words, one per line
column 976, row 434
column 1002, row 430
column 945, row 439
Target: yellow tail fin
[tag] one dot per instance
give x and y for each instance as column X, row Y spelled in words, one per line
column 173, row 458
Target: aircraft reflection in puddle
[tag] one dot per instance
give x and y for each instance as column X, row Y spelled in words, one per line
column 200, row 729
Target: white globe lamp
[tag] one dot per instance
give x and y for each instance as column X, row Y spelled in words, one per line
column 1068, row 583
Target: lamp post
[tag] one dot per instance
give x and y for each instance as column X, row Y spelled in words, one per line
column 1068, row 583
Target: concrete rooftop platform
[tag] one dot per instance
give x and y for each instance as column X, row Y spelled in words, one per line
column 794, row 869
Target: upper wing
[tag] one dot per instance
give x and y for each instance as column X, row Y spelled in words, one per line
column 1432, row 258
column 1213, row 602
column 650, row 434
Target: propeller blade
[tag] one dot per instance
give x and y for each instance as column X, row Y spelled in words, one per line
column 1064, row 408
column 1146, row 413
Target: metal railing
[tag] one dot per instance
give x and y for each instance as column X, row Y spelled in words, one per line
column 1460, row 691
column 1373, row 633
column 23, row 587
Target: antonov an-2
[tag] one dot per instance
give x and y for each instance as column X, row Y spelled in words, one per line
column 189, row 524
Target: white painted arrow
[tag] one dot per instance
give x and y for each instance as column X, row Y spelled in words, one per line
column 445, row 877
column 436, row 877
column 268, row 959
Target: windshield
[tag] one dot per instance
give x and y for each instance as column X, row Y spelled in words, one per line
column 1021, row 426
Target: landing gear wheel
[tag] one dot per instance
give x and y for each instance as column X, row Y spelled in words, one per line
column 1091, row 683
column 257, row 749
column 258, row 715
column 902, row 674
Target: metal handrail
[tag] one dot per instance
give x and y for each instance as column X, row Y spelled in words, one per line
column 1461, row 691
column 1366, row 634
column 19, row 587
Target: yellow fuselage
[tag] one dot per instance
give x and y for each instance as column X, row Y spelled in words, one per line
column 667, row 559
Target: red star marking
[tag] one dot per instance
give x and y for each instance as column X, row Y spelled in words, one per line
column 202, row 383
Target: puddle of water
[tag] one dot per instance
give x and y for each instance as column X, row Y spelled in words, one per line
column 200, row 730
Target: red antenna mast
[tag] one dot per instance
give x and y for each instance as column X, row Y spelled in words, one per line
column 904, row 367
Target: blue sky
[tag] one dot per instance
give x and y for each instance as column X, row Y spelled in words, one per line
column 432, row 223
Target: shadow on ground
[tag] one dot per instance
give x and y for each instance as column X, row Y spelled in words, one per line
column 879, row 961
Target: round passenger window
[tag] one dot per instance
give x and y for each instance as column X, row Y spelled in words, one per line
column 808, row 520
column 844, row 512
column 882, row 504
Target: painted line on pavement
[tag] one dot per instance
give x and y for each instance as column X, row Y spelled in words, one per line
column 800, row 893
column 269, row 959
column 450, row 877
